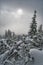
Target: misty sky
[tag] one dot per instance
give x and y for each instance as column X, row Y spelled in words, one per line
column 16, row 15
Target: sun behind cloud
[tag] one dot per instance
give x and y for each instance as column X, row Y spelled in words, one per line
column 20, row 12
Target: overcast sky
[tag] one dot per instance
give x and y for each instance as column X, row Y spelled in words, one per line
column 16, row 15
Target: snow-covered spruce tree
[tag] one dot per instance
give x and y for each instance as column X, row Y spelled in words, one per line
column 8, row 34
column 33, row 27
column 40, row 36
column 40, row 29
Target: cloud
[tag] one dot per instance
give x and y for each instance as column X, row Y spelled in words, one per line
column 8, row 20
column 19, row 23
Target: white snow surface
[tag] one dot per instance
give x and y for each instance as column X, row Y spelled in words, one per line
column 38, row 56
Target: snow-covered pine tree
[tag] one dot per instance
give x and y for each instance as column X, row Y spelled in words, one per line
column 33, row 27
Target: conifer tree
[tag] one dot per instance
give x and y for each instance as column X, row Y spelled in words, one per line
column 33, row 28
column 40, row 28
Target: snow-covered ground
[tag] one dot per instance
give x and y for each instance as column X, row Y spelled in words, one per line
column 23, row 58
column 38, row 56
